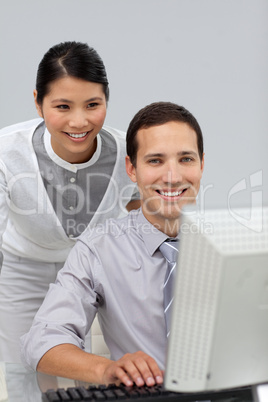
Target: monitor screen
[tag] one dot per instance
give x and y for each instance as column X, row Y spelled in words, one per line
column 219, row 328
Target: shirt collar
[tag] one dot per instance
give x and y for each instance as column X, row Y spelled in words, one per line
column 152, row 237
column 73, row 167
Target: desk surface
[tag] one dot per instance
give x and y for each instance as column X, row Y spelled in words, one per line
column 27, row 386
column 20, row 385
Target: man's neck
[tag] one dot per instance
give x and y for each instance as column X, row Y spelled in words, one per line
column 168, row 226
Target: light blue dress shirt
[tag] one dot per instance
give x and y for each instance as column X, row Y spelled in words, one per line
column 117, row 270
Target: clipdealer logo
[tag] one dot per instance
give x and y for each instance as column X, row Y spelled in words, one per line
column 254, row 187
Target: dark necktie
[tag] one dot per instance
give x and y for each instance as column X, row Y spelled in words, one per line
column 169, row 249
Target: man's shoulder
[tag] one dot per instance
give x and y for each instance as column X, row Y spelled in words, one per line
column 112, row 228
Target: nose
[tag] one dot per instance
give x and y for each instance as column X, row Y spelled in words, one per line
column 78, row 120
column 172, row 173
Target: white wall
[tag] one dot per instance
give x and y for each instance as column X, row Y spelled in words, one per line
column 208, row 55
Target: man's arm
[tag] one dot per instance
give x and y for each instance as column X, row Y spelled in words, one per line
column 69, row 361
column 54, row 345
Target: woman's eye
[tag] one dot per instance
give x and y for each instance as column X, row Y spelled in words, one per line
column 91, row 105
column 63, row 107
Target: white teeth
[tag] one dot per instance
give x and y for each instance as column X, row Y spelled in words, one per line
column 171, row 193
column 77, row 135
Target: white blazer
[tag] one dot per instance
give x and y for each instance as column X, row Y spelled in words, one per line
column 29, row 226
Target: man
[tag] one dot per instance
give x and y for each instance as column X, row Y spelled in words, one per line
column 117, row 268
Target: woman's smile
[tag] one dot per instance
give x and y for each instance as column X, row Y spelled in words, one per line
column 74, row 111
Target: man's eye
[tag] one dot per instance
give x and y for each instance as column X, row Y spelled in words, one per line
column 187, row 159
column 154, row 161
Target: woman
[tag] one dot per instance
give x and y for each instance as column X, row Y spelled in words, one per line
column 58, row 174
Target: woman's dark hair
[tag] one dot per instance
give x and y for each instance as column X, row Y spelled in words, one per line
column 156, row 114
column 73, row 59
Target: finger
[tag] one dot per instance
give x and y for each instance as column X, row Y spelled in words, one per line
column 149, row 369
column 131, row 368
column 140, row 370
column 120, row 375
column 155, row 370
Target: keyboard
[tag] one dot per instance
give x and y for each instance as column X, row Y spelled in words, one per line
column 156, row 393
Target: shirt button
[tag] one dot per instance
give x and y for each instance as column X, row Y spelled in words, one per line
column 71, row 208
column 71, row 236
column 72, row 179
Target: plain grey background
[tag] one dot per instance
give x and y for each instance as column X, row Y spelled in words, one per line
column 207, row 55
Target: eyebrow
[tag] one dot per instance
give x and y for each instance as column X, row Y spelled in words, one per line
column 63, row 100
column 182, row 153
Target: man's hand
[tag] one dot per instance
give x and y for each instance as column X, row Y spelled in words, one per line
column 67, row 360
column 133, row 368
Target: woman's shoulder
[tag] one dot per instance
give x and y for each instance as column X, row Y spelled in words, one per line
column 118, row 134
column 22, row 126
column 117, row 139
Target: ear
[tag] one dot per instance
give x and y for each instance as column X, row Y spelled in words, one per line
column 37, row 105
column 131, row 170
column 202, row 163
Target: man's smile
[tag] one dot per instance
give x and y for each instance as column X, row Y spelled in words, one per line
column 169, row 193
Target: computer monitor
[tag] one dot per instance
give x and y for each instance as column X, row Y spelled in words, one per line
column 219, row 328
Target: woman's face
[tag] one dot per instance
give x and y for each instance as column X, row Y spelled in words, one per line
column 74, row 111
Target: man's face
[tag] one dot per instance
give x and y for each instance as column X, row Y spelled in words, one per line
column 168, row 171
